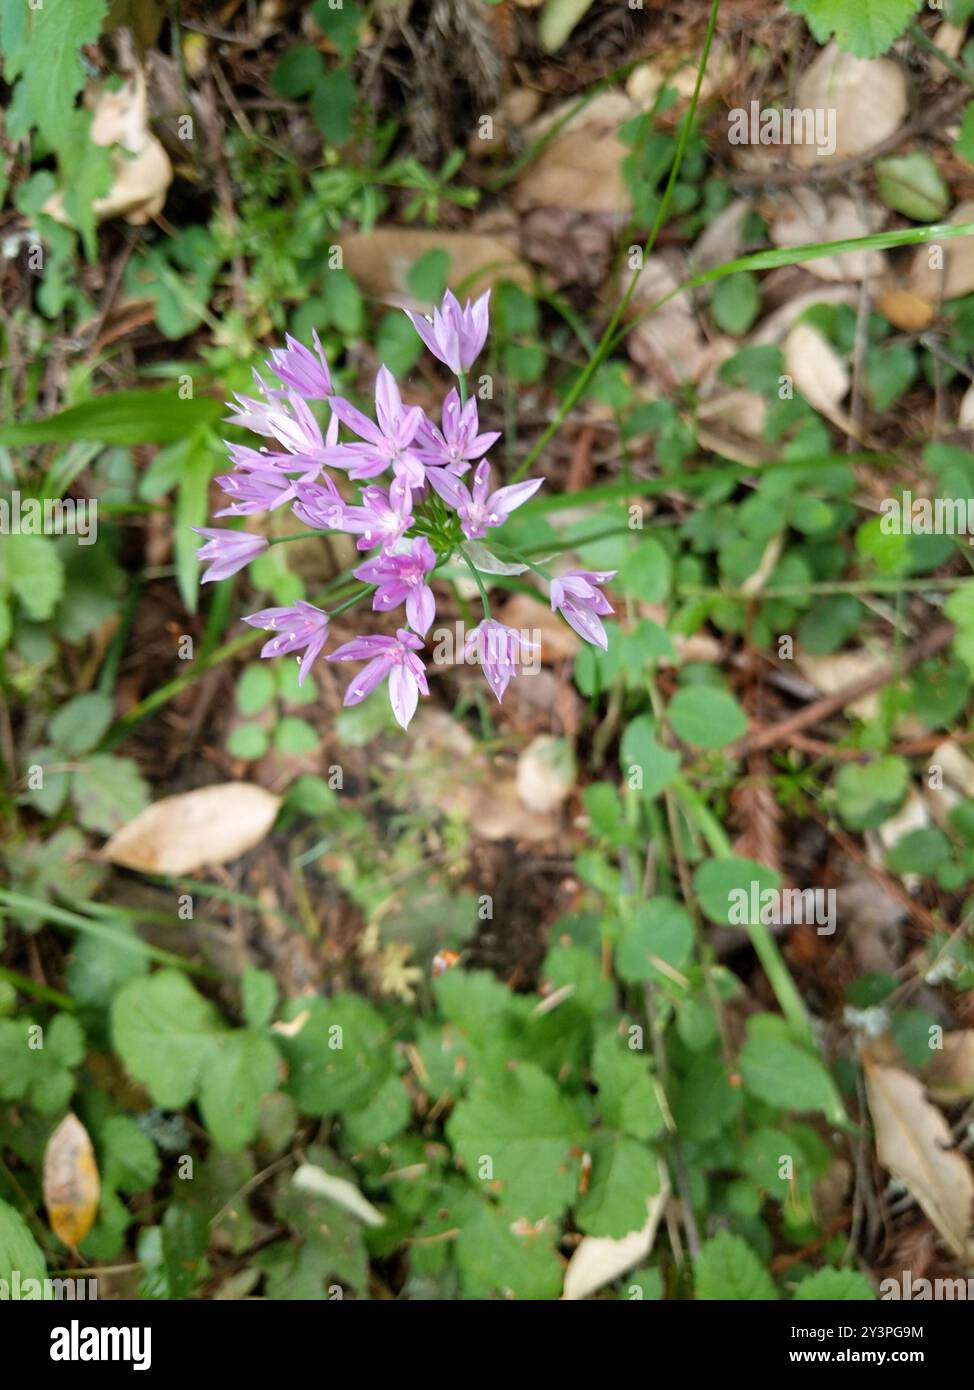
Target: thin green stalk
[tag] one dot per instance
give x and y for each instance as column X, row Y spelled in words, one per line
column 831, row 586
column 605, row 342
column 765, row 947
column 45, row 993
column 60, row 916
column 480, row 583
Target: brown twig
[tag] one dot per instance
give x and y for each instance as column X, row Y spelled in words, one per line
column 782, row 732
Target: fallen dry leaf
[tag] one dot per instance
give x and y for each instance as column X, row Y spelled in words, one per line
column 904, row 309
column 819, row 373
column 545, row 773
column 868, row 96
column 670, row 343
column 143, row 172
column 831, row 673
column 931, row 284
column 72, row 1187
column 914, row 1143
column 581, row 168
column 598, row 1260
column 381, row 260
column 950, row 1075
column 317, row 1182
column 180, row 834
column 804, row 216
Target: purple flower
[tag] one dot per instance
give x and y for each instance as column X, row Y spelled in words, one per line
column 475, row 508
column 498, row 649
column 402, row 578
column 320, row 505
column 582, row 605
column 384, row 519
column 255, row 492
column 227, row 551
column 394, row 657
column 454, row 335
column 386, row 443
column 301, row 625
column 299, row 368
column 288, row 420
column 458, row 443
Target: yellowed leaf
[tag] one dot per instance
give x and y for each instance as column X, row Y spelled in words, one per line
column 71, row 1184
column 950, row 1075
column 914, row 1142
column 598, row 1260
column 180, row 834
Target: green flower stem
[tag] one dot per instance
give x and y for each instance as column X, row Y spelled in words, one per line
column 605, row 342
column 765, row 947
column 480, row 583
column 351, row 602
column 842, row 586
column 796, row 255
column 464, row 389
column 35, row 907
column 303, row 536
column 43, row 992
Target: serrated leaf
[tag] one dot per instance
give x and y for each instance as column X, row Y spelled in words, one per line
column 515, row 1134
column 727, row 1269
column 866, row 29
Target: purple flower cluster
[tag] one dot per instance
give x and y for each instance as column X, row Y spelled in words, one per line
column 414, row 520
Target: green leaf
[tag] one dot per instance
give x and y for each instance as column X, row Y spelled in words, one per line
column 964, row 144
column 341, row 23
column 37, row 1064
column 255, row 689
column 34, row 573
column 647, row 766
column 427, row 276
column 889, row 372
column 866, row 28
column 706, row 1102
column 259, row 989
column 330, row 1250
column 721, row 882
column 868, row 793
column 784, row 1075
column 832, row 1285
column 248, row 741
column 333, row 105
column 646, row 572
column 294, row 735
column 240, row 1067
column 173, row 1041
column 660, row 930
column 959, row 608
column 108, row 792
column 558, row 19
column 515, row 1134
column 200, row 462
column 728, row 1270
column 624, row 1175
column 911, row 184
column 165, row 1032
column 339, row 1058
column 627, row 1096
column 125, row 417
column 18, row 1249
column 79, row 725
column 735, row 303
column 298, row 72
column 706, row 717
column 496, row 1260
